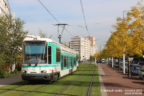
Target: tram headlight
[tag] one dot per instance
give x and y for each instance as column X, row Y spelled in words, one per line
column 43, row 71
column 24, row 71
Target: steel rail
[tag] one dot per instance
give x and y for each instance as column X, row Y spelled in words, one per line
column 11, row 89
column 28, row 92
column 90, row 84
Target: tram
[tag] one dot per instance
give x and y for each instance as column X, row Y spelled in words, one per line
column 45, row 59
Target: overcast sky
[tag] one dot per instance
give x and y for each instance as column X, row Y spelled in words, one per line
column 100, row 16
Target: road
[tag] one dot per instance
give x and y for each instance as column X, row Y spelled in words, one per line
column 10, row 80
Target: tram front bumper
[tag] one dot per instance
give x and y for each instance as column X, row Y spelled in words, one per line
column 46, row 77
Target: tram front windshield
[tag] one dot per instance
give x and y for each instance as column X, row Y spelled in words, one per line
column 35, row 52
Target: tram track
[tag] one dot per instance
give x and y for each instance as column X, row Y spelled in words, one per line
column 11, row 89
column 90, row 85
column 22, row 85
column 64, row 89
column 34, row 90
column 73, row 81
column 8, row 90
column 80, row 83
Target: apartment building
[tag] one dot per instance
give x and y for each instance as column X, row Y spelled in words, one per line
column 4, row 8
column 84, row 45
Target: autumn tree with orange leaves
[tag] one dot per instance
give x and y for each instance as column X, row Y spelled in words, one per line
column 128, row 35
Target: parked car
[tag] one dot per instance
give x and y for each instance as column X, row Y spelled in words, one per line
column 141, row 73
column 116, row 63
column 135, row 62
column 109, row 62
column 103, row 61
column 126, row 66
column 99, row 61
column 141, row 63
column 135, row 69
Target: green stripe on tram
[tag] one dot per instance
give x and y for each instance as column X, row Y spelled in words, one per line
column 33, row 66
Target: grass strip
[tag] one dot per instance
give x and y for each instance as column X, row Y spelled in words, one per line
column 55, row 88
column 79, row 81
column 96, row 85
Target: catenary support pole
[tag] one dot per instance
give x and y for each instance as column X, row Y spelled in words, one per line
column 112, row 62
column 123, row 61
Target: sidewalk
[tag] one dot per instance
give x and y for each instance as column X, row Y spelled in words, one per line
column 10, row 80
column 117, row 84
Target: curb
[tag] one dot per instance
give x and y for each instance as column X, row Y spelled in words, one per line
column 101, row 73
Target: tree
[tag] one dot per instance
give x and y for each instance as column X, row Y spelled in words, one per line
column 136, row 28
column 11, row 38
column 128, row 35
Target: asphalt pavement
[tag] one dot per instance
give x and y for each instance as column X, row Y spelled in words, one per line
column 10, row 80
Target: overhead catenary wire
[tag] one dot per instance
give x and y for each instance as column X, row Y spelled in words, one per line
column 78, row 33
column 48, row 11
column 78, row 26
column 69, row 32
column 52, row 15
column 84, row 17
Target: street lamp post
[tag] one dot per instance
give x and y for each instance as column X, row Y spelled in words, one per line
column 129, row 59
column 112, row 62
column 124, row 50
column 123, row 61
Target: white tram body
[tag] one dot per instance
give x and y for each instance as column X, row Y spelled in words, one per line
column 45, row 59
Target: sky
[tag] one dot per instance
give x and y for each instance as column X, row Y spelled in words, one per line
column 100, row 16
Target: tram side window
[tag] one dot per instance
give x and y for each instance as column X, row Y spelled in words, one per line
column 62, row 62
column 68, row 60
column 74, row 61
column 71, row 62
column 65, row 61
column 57, row 55
column 49, row 54
column 45, row 56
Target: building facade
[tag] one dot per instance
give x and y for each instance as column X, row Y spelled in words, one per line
column 4, row 8
column 84, row 45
